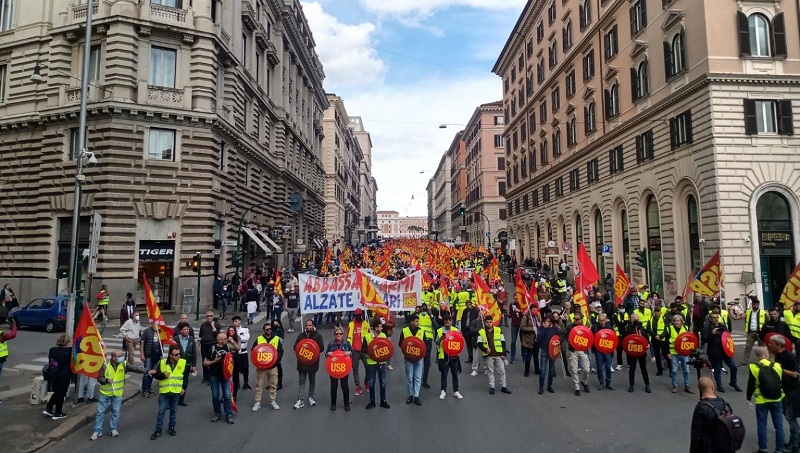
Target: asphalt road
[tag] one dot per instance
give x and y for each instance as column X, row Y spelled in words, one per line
column 601, row 421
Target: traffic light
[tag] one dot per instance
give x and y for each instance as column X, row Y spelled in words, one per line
column 194, row 263
column 237, row 258
column 296, row 201
column 641, row 258
column 462, row 211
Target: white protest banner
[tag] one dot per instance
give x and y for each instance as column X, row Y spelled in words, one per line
column 343, row 293
column 401, row 295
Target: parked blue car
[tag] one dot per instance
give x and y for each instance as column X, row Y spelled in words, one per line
column 47, row 312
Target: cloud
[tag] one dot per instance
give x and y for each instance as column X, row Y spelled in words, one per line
column 404, row 124
column 413, row 13
column 345, row 50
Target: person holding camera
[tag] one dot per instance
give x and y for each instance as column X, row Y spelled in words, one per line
column 214, row 361
column 712, row 337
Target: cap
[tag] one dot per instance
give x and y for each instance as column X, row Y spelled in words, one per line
column 596, row 304
column 359, row 311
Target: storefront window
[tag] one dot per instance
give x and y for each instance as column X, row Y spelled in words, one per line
column 626, row 243
column 654, row 247
column 694, row 233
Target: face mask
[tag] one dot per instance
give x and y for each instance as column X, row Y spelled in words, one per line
column 120, row 359
column 136, row 318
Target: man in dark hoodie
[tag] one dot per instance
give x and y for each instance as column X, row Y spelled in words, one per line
column 308, row 371
column 704, row 419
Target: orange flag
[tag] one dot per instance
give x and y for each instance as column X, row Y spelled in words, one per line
column 486, row 301
column 443, row 286
column 707, row 281
column 154, row 313
column 686, row 288
column 791, row 292
column 383, row 270
column 88, row 350
column 522, row 296
column 278, row 284
column 326, row 261
column 370, row 297
column 622, row 285
column 580, row 299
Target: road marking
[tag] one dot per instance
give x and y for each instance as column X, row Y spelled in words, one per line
column 42, row 359
column 24, row 366
column 15, row 392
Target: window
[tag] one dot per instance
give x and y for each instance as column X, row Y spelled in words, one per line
column 501, row 163
column 555, row 97
column 535, row 197
column 244, row 51
column 258, row 67
column 539, row 32
column 529, row 48
column 546, row 193
column 499, row 120
column 551, row 13
column 74, row 143
column 520, row 64
column 516, row 173
column 588, row 65
column 638, row 14
column 566, row 37
column 498, row 141
column 162, row 67
column 611, row 43
column 523, row 133
column 574, row 180
column 543, row 152
column 6, row 14
column 615, row 160
column 768, row 117
column 599, row 243
column 680, row 129
column 505, row 86
column 589, row 124
column 3, row 75
column 525, row 202
column 524, row 166
column 612, row 102
column 515, row 140
column 593, row 171
column 559, row 186
column 644, row 147
column 540, row 71
column 675, row 55
column 532, row 123
column 569, row 81
column 557, row 143
column 513, row 74
column 162, row 144
column 758, row 39
column 94, row 63
column 640, row 83
column 543, row 111
column 572, row 132
column 585, row 13
column 503, row 215
column 694, row 232
column 553, row 54
column 501, row 188
column 532, row 157
column 170, row 3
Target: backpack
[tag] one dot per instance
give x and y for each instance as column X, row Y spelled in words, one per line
column 49, row 370
column 769, row 382
column 728, row 431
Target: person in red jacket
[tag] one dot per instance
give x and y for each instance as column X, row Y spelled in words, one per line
column 4, row 337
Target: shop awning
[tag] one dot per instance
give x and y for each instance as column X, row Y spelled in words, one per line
column 319, row 244
column 272, row 243
column 258, row 241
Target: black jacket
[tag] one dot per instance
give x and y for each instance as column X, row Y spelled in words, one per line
column 190, row 353
column 714, row 341
column 703, row 425
column 778, row 327
column 317, row 337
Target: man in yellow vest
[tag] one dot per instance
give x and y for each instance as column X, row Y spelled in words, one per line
column 792, row 318
column 492, row 344
column 413, row 369
column 656, row 326
column 355, row 331
column 677, row 360
column 428, row 325
column 766, row 404
column 754, row 318
column 173, row 375
column 4, row 338
column 112, row 381
column 447, row 364
column 376, row 371
column 271, row 374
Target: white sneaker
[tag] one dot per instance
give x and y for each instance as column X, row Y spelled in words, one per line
column 619, row 367
column 311, row 401
column 298, row 404
column 390, row 367
column 442, row 395
column 256, row 406
column 458, row 395
column 486, row 371
column 474, row 373
column 274, row 405
column 114, row 433
column 593, row 371
column 653, row 359
column 95, row 435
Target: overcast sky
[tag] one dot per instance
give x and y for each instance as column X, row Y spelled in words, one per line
column 405, row 67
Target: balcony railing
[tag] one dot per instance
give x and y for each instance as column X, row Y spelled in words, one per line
column 167, row 13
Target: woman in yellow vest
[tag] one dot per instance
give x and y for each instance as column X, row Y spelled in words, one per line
column 173, row 378
column 112, row 382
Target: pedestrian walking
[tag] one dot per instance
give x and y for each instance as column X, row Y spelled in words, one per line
column 635, row 327
column 59, row 357
column 241, row 364
column 492, row 344
column 220, row 387
column 150, row 351
column 270, row 374
column 112, row 384
column 5, row 337
column 712, row 337
column 447, row 364
column 355, row 332
column 578, row 360
column 604, row 360
column 173, row 375
column 754, row 319
column 376, row 371
column 677, row 360
column 308, row 371
column 791, row 388
column 128, row 309
column 705, row 419
column 764, row 384
column 208, row 336
column 413, row 368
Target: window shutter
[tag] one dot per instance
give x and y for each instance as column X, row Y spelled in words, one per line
column 667, row 60
column 634, row 85
column 688, row 116
column 607, row 45
column 632, row 13
column 589, row 171
column 612, row 167
column 607, row 106
column 639, row 150
column 672, row 132
column 779, row 36
column 785, row 111
column 744, row 34
column 564, row 40
column 648, row 143
column 750, row 126
column 615, row 37
column 586, row 120
column 643, row 4
column 683, row 49
column 582, row 15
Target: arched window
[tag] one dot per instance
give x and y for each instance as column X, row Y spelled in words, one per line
column 613, row 101
column 598, row 244
column 694, row 233
column 590, row 117
column 578, row 230
column 776, row 244
column 572, row 132
column 678, row 47
column 759, row 35
column 653, row 246
column 643, row 82
column 626, row 242
column 557, row 142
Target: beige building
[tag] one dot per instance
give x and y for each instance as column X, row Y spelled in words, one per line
column 392, row 226
column 485, row 164
column 439, row 202
column 368, row 223
column 197, row 111
column 456, row 155
column 664, row 125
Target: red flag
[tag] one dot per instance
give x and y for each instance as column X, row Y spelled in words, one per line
column 234, row 407
column 622, row 285
column 708, row 281
column 686, row 288
column 88, row 350
column 522, row 296
column 791, row 292
column 370, row 297
column 486, row 301
column 587, row 272
column 443, row 286
column 278, row 285
column 154, row 313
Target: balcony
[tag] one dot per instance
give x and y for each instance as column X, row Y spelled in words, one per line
column 72, row 95
column 249, row 19
column 169, row 15
column 77, row 13
column 178, row 98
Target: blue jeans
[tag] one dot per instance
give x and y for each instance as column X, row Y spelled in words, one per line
column 775, row 410
column 219, row 384
column 716, row 363
column 413, row 377
column 604, row 362
column 546, row 367
column 683, row 362
column 794, row 428
column 514, row 335
column 376, row 371
column 318, row 319
column 115, row 402
column 167, row 401
column 147, row 380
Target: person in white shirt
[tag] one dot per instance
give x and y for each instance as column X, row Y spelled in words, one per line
column 241, row 362
column 131, row 332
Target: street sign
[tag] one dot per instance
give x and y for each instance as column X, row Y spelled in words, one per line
column 551, row 243
column 229, row 243
column 94, row 247
column 606, row 250
column 567, row 248
column 488, row 235
column 462, row 228
column 215, row 252
column 299, row 242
